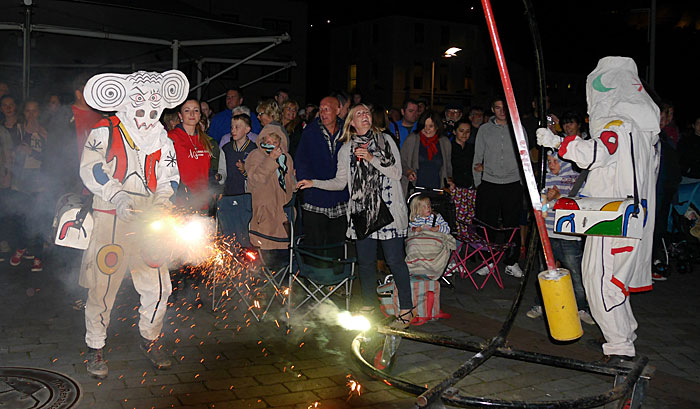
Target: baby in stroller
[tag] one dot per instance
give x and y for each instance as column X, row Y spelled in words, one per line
column 422, row 217
column 429, row 243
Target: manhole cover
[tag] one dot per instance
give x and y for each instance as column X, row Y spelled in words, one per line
column 24, row 388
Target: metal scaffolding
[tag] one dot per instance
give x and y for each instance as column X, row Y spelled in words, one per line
column 270, row 42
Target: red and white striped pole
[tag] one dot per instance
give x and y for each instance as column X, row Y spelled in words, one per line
column 519, row 135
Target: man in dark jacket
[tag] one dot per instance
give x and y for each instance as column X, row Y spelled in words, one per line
column 323, row 212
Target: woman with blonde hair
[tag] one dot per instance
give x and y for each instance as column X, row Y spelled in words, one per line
column 292, row 124
column 194, row 154
column 270, row 116
column 369, row 164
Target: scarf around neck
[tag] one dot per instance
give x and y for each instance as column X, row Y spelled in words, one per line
column 281, row 165
column 430, row 144
column 367, row 181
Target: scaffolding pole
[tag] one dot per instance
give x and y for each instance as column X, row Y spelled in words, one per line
column 26, row 49
column 250, row 57
column 27, row 28
column 176, row 49
column 286, row 66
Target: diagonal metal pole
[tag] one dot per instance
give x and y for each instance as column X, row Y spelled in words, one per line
column 286, row 66
column 250, row 57
column 434, row 393
column 519, row 135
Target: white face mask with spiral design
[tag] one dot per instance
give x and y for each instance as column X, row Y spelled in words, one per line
column 138, row 99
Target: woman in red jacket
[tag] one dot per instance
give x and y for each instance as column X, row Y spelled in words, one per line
column 194, row 151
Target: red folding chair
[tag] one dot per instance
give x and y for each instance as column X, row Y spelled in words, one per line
column 474, row 241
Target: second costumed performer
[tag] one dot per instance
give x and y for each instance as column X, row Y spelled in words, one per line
column 623, row 158
column 129, row 165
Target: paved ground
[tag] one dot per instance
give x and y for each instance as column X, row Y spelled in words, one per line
column 224, row 362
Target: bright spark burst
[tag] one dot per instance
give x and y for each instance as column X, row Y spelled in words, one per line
column 193, row 231
column 353, row 322
column 176, row 237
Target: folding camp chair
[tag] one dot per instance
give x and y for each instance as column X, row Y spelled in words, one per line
column 320, row 276
column 276, row 265
column 474, row 241
column 233, row 216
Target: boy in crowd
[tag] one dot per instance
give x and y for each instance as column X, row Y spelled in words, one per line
column 232, row 172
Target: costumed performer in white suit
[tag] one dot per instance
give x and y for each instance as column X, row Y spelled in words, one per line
column 623, row 159
column 129, row 164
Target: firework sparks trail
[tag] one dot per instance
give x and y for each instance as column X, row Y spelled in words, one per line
column 354, row 386
column 212, row 258
column 217, row 260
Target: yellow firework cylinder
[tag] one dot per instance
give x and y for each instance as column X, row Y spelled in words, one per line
column 560, row 304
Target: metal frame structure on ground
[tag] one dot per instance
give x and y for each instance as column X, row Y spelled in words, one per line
column 631, row 379
column 630, row 383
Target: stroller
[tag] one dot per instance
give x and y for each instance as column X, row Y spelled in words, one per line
column 430, row 260
column 441, row 202
column 681, row 242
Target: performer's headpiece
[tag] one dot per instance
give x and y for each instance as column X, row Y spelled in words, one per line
column 142, row 95
column 614, row 91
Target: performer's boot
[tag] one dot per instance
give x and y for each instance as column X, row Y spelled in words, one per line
column 96, row 365
column 617, row 360
column 155, row 352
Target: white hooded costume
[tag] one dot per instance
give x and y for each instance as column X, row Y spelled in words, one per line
column 624, row 125
column 129, row 164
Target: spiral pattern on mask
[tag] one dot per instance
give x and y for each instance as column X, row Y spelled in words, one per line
column 175, row 87
column 107, row 92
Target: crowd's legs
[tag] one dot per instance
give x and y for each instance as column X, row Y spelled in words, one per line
column 367, row 269
column 494, row 203
column 321, row 230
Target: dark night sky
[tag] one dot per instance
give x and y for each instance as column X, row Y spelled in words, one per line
column 575, row 34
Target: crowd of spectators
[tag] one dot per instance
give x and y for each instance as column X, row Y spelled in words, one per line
column 345, row 153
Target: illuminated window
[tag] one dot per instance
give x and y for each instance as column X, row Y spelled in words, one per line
column 467, row 83
column 352, row 77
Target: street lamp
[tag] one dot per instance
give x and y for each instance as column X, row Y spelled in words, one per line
column 449, row 53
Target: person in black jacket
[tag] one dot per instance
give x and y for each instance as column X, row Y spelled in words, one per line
column 462, row 155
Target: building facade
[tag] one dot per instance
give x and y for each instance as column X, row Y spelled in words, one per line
column 394, row 58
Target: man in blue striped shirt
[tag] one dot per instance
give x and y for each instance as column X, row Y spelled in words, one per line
column 568, row 250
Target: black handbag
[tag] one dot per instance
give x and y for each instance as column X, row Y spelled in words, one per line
column 363, row 228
